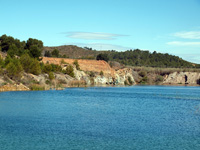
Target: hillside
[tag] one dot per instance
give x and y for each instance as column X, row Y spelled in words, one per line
column 72, row 51
column 35, row 49
column 135, row 57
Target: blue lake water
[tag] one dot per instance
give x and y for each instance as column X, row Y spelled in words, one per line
column 110, row 118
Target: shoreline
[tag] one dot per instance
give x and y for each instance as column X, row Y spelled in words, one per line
column 13, row 88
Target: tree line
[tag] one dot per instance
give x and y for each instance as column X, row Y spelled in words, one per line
column 145, row 58
column 25, row 56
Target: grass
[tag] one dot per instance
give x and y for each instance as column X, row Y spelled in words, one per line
column 163, row 71
column 37, row 87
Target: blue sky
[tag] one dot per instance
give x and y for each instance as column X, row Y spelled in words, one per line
column 166, row 26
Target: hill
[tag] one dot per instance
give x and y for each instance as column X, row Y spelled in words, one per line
column 135, row 57
column 73, row 51
column 35, row 49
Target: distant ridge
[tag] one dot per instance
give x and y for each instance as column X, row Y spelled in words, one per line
column 135, row 57
column 73, row 51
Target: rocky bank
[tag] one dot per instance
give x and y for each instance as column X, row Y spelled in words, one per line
column 94, row 73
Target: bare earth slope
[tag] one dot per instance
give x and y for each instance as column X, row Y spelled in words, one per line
column 85, row 65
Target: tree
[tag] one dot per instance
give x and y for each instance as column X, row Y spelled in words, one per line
column 9, row 43
column 30, row 65
column 30, row 42
column 77, row 64
column 14, row 69
column 35, row 51
column 26, row 62
column 13, row 50
column 102, row 57
column 35, row 67
column 47, row 68
column 47, row 54
column 69, row 70
column 51, row 76
column 55, row 53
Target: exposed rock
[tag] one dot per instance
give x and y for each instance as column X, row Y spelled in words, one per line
column 102, row 80
column 41, row 79
column 122, row 75
column 14, row 87
column 81, row 75
column 190, row 78
column 62, row 78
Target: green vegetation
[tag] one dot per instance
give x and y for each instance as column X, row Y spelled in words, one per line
column 130, row 80
column 37, row 87
column 77, row 64
column 15, row 47
column 14, row 69
column 51, row 76
column 101, row 73
column 102, row 57
column 145, row 58
column 55, row 53
column 69, row 70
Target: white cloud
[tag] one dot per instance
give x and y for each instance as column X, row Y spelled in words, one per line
column 92, row 35
column 179, row 43
column 195, row 58
column 188, row 35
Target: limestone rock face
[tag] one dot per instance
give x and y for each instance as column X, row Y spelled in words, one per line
column 190, row 78
column 102, row 80
column 62, row 78
column 122, row 75
column 14, row 87
column 27, row 77
column 82, row 76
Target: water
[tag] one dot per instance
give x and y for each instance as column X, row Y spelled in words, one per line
column 120, row 118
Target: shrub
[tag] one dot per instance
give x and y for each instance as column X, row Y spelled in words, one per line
column 69, row 70
column 159, row 78
column 142, row 73
column 125, row 82
column 62, row 61
column 101, row 73
column 47, row 68
column 56, row 68
column 102, row 57
column 91, row 74
column 198, row 81
column 77, row 64
column 55, row 53
column 35, row 67
column 30, row 65
column 144, row 80
column 130, row 80
column 51, row 76
column 14, row 69
column 37, row 87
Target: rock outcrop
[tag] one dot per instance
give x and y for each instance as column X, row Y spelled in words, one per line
column 123, row 75
column 14, row 87
column 190, row 78
column 110, row 76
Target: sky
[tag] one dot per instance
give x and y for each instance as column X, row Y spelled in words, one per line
column 165, row 26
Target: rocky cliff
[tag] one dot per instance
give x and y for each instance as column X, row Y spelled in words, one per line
column 190, row 78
